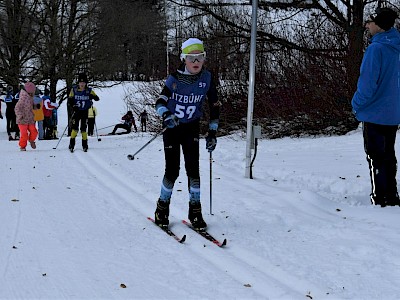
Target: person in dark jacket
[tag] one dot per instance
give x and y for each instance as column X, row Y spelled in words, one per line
column 143, row 120
column 180, row 105
column 12, row 126
column 376, row 103
column 129, row 121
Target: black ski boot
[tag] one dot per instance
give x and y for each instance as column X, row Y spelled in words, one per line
column 162, row 213
column 71, row 144
column 85, row 145
column 195, row 216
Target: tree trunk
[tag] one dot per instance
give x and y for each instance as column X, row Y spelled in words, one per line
column 356, row 41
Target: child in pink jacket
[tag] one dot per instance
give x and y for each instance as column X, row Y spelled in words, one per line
column 25, row 119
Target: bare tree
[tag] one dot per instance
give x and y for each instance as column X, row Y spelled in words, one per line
column 132, row 40
column 308, row 54
column 64, row 47
column 19, row 30
column 46, row 40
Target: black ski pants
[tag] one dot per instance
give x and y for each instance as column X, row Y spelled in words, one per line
column 80, row 116
column 379, row 142
column 127, row 127
column 12, row 124
column 90, row 123
column 187, row 137
column 11, row 121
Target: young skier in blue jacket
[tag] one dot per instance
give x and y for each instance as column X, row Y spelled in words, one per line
column 180, row 105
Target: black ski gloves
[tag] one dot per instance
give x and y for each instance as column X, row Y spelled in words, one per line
column 170, row 120
column 211, row 140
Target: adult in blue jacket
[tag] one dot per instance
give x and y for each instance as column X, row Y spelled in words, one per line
column 376, row 103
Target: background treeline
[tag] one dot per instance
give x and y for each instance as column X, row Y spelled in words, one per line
column 307, row 65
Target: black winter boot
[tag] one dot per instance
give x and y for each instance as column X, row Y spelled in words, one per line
column 71, row 144
column 378, row 201
column 195, row 216
column 85, row 145
column 393, row 201
column 162, row 213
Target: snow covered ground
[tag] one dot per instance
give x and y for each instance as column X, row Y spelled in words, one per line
column 73, row 226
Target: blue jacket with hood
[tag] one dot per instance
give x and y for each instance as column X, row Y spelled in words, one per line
column 377, row 99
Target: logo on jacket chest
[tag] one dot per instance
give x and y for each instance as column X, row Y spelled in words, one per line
column 187, row 98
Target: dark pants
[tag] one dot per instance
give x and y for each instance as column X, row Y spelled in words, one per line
column 48, row 127
column 143, row 125
column 90, row 123
column 122, row 126
column 11, row 122
column 379, row 141
column 80, row 116
column 187, row 137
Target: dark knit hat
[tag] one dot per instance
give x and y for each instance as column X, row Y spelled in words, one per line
column 384, row 18
column 82, row 78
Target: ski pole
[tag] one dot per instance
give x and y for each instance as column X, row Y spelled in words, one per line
column 95, row 126
column 69, row 121
column 106, row 127
column 211, row 183
column 132, row 156
column 97, row 135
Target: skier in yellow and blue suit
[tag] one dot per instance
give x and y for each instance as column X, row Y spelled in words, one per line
column 80, row 100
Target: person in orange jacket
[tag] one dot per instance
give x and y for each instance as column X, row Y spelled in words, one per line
column 38, row 115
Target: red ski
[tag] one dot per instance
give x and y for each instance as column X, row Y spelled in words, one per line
column 168, row 231
column 205, row 234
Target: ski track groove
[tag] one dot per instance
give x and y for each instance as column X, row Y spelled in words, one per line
column 10, row 251
column 103, row 172
column 16, row 231
column 233, row 261
column 22, row 250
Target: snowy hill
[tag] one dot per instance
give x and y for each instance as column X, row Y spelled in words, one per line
column 73, row 225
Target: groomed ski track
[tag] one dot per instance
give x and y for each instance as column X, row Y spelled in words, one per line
column 234, row 262
column 75, row 227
